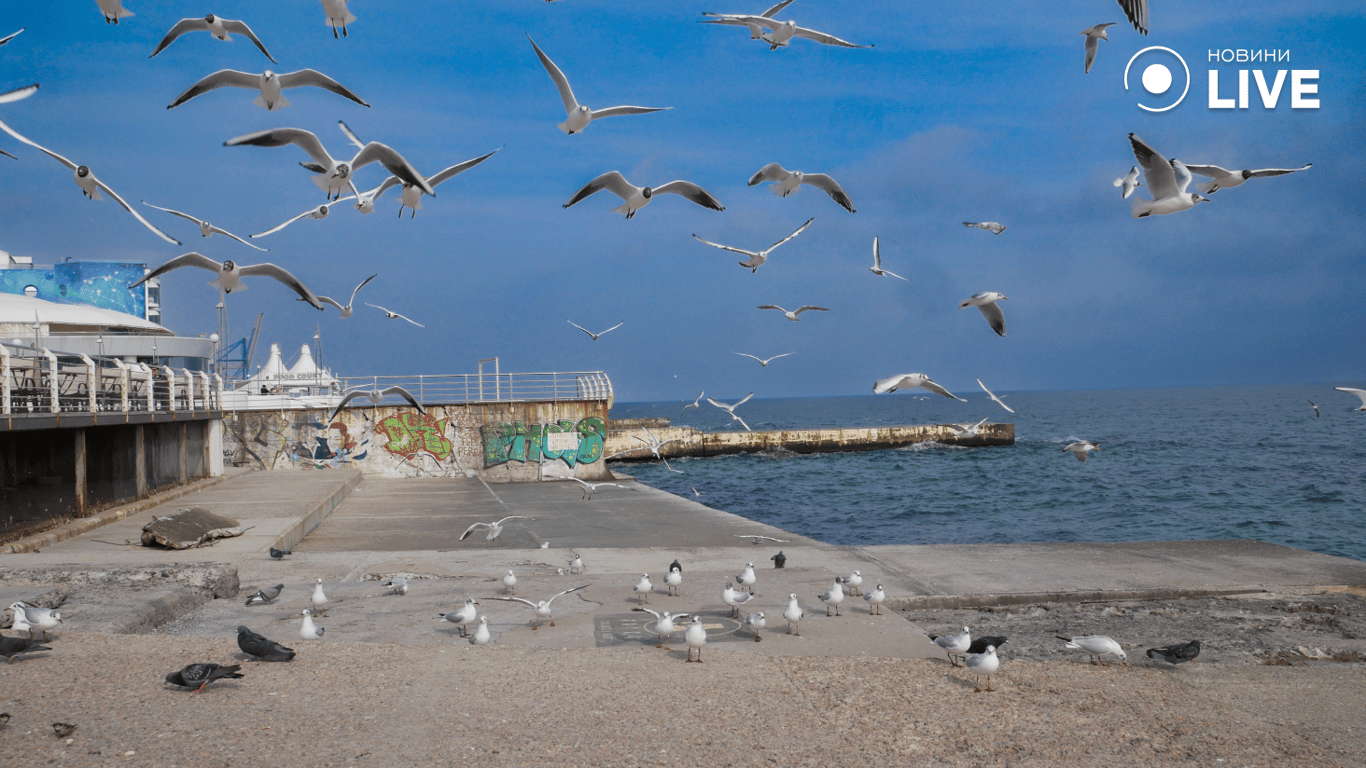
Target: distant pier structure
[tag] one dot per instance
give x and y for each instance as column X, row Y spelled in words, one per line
column 623, row 445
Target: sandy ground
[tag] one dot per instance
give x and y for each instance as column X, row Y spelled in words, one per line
column 389, row 705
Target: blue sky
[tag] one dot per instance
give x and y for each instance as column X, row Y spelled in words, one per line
column 961, row 113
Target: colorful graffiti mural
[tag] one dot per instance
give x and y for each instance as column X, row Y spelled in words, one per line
column 411, row 433
column 522, row 442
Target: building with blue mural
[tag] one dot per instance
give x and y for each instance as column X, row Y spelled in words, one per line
column 102, row 284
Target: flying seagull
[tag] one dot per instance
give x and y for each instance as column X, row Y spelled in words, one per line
column 394, row 315
column 85, row 178
column 756, row 258
column 780, row 32
column 113, row 10
column 592, row 335
column 966, row 430
column 639, row 197
column 1167, row 182
column 993, row 227
column 786, row 182
column 230, row 274
column 10, row 37
column 793, row 314
column 335, row 175
column 1093, row 37
column 1128, row 182
column 1224, row 179
column 986, row 301
column 1361, row 393
column 495, row 527
column 1080, row 448
column 764, row 363
column 346, row 310
column 696, row 404
column 214, row 25
column 268, row 83
column 541, row 608
column 1315, row 406
column 908, row 381
column 205, row 228
column 321, row 212
column 580, row 115
column 412, row 194
column 731, row 409
column 337, row 14
column 197, row 676
column 877, row 263
column 993, row 396
column 1137, row 11
column 591, row 488
column 375, row 395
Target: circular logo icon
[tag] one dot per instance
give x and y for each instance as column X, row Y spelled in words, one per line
column 1157, row 75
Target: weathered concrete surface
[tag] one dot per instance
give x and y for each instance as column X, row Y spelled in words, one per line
column 623, row 444
column 119, row 600
column 187, row 528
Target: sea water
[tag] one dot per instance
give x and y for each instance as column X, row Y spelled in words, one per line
column 1247, row 462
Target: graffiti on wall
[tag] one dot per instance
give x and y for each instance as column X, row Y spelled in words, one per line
column 410, row 434
column 522, row 442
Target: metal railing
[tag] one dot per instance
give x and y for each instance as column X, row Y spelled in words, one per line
column 453, row 389
column 40, row 381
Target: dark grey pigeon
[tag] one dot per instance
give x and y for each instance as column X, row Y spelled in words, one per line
column 262, row 648
column 12, row 647
column 1176, row 654
column 265, row 596
column 197, row 676
column 979, row 644
column 276, row 554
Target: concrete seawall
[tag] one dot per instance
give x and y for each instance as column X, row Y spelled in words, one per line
column 688, row 441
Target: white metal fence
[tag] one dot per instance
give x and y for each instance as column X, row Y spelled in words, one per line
column 42, row 381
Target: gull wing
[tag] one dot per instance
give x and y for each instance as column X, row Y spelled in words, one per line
column 352, row 395
column 362, row 285
column 613, row 328
column 612, row 181
column 306, row 214
column 6, row 154
column 1212, row 171
column 831, row 188
column 222, row 231
column 877, row 254
column 581, row 328
column 409, row 319
column 995, row 318
column 740, row 20
column 821, row 37
column 743, row 400
column 809, row 307
column 752, row 357
column 742, row 421
column 1361, row 393
column 173, row 213
column 575, row 589
column 459, row 168
column 18, row 93
column 770, row 172
column 31, row 143
column 1183, row 175
column 1275, row 171
column 794, row 234
column 772, row 306
column 509, row 517
column 561, row 82
column 775, row 9
column 1092, row 43
column 136, row 215
column 470, row 530
column 283, row 275
column 180, row 28
column 618, row 111
column 241, row 28
column 1159, row 173
column 938, row 390
column 1137, row 11
column 692, row 192
column 406, row 395
column 375, row 152
column 8, row 38
column 191, row 259
column 511, row 599
column 993, row 396
column 333, row 302
column 726, row 247
column 223, row 78
column 350, row 135
column 278, row 137
column 312, row 77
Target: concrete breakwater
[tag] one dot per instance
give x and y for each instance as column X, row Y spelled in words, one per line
column 622, row 444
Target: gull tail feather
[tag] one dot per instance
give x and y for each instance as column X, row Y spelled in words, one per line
column 1141, row 208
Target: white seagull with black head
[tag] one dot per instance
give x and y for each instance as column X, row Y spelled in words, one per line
column 334, row 176
column 346, row 310
column 756, row 258
column 580, row 115
column 1167, row 182
column 639, row 197
column 230, row 275
column 412, row 194
column 786, row 182
column 205, row 228
column 217, row 26
column 269, row 83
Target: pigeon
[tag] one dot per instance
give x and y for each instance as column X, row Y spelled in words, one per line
column 256, row 645
column 319, row 599
column 1129, row 182
column 13, row 647
column 984, row 663
column 755, row 622
column 695, row 637
column 481, row 634
column 794, row 615
column 642, row 589
column 908, row 381
column 786, row 182
column 1223, row 179
column 214, row 25
column 230, row 275
column 875, row 599
column 638, row 197
column 1093, row 37
column 205, row 228
column 832, row 597
column 986, row 302
column 463, row 617
column 990, row 226
column 579, row 116
column 1176, row 654
column 1080, row 448
column 954, row 645
column 664, row 625
column 308, row 630
column 197, row 676
column 265, row 596
column 756, row 258
column 279, row 554
column 1167, row 182
column 779, row 560
column 1097, row 646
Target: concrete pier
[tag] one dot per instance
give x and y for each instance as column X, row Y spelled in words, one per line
column 622, row 444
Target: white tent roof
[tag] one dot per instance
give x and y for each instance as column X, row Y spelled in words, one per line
column 304, row 373
column 17, row 309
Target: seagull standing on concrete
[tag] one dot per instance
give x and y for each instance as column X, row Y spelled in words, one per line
column 986, row 302
column 734, row 598
column 319, row 599
column 794, row 615
column 875, row 599
column 1097, row 646
column 979, row 664
column 397, row 586
column 205, row 228
column 832, row 597
column 695, row 637
column 33, row 616
column 463, row 617
column 786, row 182
column 541, row 608
column 230, row 275
column 217, row 26
column 673, row 580
column 1093, row 37
column 1167, row 182
column 576, row 563
column 481, row 633
column 642, row 589
column 308, row 630
column 664, row 625
column 394, row 315
column 853, row 584
column 756, row 258
column 747, row 578
column 954, row 645
column 579, row 116
column 755, row 622
column 638, row 197
column 909, row 381
column 731, row 409
column 509, row 583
